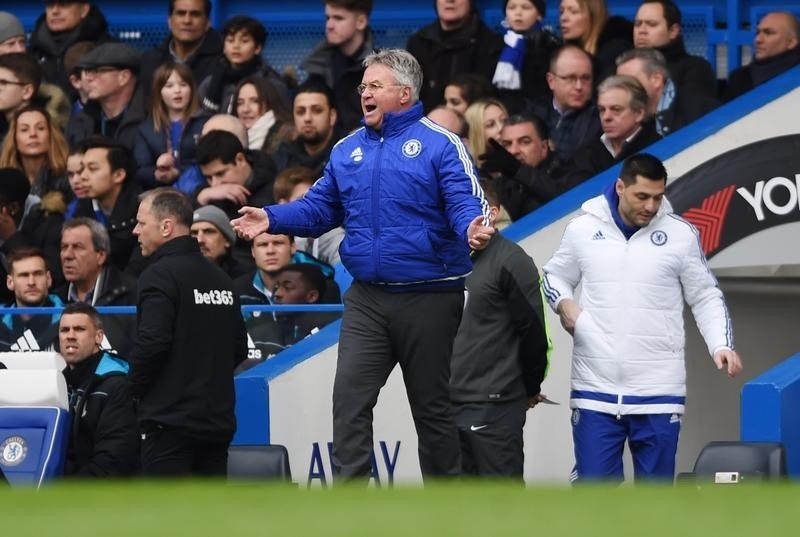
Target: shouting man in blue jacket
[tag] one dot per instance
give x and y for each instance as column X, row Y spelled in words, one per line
column 405, row 191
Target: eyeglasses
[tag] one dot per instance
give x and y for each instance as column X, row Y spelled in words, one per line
column 94, row 71
column 374, row 87
column 573, row 79
column 4, row 83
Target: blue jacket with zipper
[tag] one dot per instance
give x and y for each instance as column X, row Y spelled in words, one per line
column 405, row 195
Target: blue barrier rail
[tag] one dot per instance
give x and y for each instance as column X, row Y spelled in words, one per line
column 131, row 310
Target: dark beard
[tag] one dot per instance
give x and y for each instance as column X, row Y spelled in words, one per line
column 313, row 140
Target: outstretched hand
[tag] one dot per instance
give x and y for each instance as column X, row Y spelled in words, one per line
column 478, row 234
column 253, row 222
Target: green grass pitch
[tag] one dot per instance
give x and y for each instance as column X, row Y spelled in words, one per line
column 460, row 509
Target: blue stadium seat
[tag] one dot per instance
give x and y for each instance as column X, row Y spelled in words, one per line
column 34, row 418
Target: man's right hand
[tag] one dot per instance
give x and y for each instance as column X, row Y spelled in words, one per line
column 568, row 311
column 253, row 222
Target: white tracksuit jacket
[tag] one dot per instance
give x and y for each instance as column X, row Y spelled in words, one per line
column 629, row 340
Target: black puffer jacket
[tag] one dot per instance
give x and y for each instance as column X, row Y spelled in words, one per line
column 473, row 48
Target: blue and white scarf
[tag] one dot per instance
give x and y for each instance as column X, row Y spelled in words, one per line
column 507, row 73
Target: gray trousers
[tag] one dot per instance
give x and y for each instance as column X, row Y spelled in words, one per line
column 379, row 330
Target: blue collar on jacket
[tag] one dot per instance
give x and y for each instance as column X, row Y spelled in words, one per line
column 610, row 193
column 109, row 364
column 395, row 122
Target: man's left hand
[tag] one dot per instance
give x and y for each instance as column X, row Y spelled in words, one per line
column 478, row 235
column 730, row 358
column 536, row 399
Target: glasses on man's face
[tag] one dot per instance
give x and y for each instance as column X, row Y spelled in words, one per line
column 94, row 71
column 573, row 79
column 374, row 87
column 4, row 83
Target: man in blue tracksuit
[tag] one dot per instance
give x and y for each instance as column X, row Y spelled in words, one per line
column 405, row 191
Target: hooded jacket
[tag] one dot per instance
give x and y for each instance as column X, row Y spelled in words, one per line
column 628, row 344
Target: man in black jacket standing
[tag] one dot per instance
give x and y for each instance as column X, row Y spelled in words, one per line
column 499, row 357
column 190, row 337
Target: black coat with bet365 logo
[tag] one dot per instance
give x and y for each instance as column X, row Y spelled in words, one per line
column 190, row 337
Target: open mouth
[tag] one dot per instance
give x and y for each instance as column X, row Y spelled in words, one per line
column 370, row 108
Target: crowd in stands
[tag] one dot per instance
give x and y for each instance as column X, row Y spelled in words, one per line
column 88, row 124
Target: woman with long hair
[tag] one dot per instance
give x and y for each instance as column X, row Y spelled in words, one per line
column 586, row 23
column 268, row 121
column 36, row 146
column 485, row 118
column 166, row 141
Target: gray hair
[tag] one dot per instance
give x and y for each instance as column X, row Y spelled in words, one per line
column 403, row 65
column 652, row 60
column 629, row 84
column 98, row 232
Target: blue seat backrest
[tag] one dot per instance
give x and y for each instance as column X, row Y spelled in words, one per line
column 33, row 444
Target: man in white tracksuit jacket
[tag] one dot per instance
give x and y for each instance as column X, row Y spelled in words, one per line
column 637, row 262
